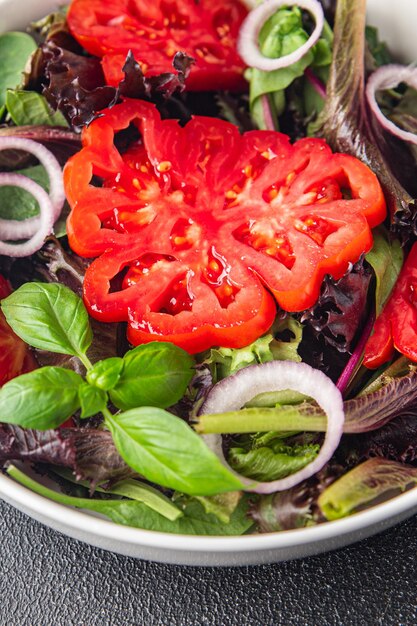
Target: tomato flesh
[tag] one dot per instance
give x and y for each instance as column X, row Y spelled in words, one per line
column 154, row 31
column 206, row 225
column 15, row 358
column 396, row 327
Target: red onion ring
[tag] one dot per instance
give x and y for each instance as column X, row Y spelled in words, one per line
column 388, row 77
column 23, row 229
column 248, row 42
column 45, row 221
column 233, row 392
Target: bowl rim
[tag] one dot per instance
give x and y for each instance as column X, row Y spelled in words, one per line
column 78, row 520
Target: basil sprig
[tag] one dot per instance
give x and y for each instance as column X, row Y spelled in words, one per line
column 145, row 381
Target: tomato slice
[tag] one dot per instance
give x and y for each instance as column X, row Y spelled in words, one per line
column 195, row 227
column 15, row 358
column 396, row 327
column 206, row 30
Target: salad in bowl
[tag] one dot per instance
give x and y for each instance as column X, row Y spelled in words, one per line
column 207, row 240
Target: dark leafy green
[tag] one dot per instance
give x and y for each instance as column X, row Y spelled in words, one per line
column 42, row 399
column 153, row 374
column 77, row 88
column 164, row 449
column 340, row 308
column 194, row 520
column 49, row 317
column 89, row 453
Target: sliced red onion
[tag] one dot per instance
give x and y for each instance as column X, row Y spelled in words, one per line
column 248, row 42
column 13, row 229
column 45, row 221
column 388, row 77
column 233, row 392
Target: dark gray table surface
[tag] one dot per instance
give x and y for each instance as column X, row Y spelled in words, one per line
column 47, row 579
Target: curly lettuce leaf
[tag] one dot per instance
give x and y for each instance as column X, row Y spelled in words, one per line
column 280, row 344
column 340, row 308
column 271, row 463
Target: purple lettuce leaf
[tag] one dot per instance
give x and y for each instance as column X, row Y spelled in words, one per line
column 339, row 311
column 347, row 123
column 91, row 454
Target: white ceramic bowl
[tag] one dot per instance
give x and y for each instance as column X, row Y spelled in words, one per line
column 396, row 22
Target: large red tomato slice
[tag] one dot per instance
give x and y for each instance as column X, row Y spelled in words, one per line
column 15, row 357
column 155, row 30
column 195, row 227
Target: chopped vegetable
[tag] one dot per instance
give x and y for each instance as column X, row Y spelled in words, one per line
column 206, row 30
column 233, row 392
column 396, row 326
column 197, row 228
column 248, row 44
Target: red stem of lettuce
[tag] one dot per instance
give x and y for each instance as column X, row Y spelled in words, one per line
column 354, row 360
column 267, row 113
column 316, row 83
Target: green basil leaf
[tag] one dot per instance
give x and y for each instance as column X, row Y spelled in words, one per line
column 165, row 450
column 92, row 400
column 105, row 374
column 29, row 108
column 42, row 399
column 194, row 520
column 49, row 316
column 15, row 50
column 154, row 374
column 18, row 204
column 386, row 259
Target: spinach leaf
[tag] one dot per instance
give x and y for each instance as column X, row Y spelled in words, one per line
column 194, row 520
column 155, row 374
column 18, row 204
column 165, row 450
column 92, row 400
column 15, row 50
column 27, row 108
column 49, row 316
column 386, row 258
column 42, row 399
